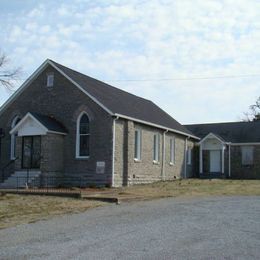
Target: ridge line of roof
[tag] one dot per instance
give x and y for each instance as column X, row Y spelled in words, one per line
column 79, row 86
column 99, row 81
column 64, row 68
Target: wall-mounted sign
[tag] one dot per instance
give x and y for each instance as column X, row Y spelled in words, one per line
column 100, row 167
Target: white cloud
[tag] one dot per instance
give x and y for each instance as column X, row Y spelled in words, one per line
column 149, row 40
column 36, row 12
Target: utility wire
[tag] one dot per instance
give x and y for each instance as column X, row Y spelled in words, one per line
column 180, row 79
column 175, row 79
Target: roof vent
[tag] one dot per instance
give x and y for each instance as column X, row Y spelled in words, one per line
column 50, row 79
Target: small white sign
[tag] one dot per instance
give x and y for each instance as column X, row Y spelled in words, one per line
column 100, row 167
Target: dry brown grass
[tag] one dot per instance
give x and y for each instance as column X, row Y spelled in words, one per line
column 193, row 187
column 18, row 209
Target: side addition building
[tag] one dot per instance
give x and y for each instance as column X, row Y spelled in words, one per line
column 228, row 149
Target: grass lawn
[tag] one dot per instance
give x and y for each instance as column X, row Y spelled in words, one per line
column 18, row 209
column 193, row 187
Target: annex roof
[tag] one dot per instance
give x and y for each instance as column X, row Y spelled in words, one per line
column 235, row 132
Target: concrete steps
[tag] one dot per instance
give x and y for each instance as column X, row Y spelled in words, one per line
column 19, row 179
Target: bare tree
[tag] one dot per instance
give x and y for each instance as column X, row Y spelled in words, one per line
column 254, row 111
column 8, row 74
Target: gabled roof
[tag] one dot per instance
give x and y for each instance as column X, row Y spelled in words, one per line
column 49, row 124
column 115, row 101
column 121, row 102
column 235, row 132
column 212, row 135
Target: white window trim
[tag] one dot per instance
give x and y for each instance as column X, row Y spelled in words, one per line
column 189, row 156
column 172, row 151
column 78, row 156
column 50, row 79
column 13, row 138
column 139, row 147
column 156, row 149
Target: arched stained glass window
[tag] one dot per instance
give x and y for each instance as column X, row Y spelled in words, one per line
column 83, row 136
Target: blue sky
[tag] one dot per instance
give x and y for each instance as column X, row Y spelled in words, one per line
column 118, row 40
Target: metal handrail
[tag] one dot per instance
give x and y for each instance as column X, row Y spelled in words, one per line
column 28, row 169
column 5, row 167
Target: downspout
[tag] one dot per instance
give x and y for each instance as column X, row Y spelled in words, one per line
column 229, row 160
column 163, row 156
column 201, row 159
column 223, row 160
column 185, row 158
column 186, row 146
column 113, row 152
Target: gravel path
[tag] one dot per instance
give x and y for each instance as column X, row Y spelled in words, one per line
column 200, row 228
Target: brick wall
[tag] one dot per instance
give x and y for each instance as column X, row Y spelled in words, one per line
column 175, row 170
column 145, row 170
column 52, row 150
column 120, row 151
column 65, row 102
column 245, row 172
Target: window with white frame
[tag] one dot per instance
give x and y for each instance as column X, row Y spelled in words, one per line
column 156, row 148
column 172, row 151
column 13, row 138
column 189, row 156
column 50, row 79
column 83, row 136
column 247, row 155
column 138, row 144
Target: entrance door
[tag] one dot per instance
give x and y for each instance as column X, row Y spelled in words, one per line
column 215, row 161
column 31, row 152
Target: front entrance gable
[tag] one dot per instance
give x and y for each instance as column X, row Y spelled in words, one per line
column 29, row 126
column 35, row 124
column 212, row 142
column 212, row 150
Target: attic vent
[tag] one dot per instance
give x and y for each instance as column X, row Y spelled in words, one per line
column 50, row 79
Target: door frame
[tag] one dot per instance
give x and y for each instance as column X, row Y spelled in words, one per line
column 32, row 150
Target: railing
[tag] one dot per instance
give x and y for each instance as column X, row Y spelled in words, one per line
column 47, row 183
column 28, row 169
column 3, row 174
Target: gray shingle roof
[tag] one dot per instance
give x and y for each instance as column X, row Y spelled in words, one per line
column 122, row 102
column 50, row 123
column 235, row 132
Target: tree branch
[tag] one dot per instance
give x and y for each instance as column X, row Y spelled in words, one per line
column 254, row 113
column 7, row 75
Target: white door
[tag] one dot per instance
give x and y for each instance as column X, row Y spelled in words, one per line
column 215, row 161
